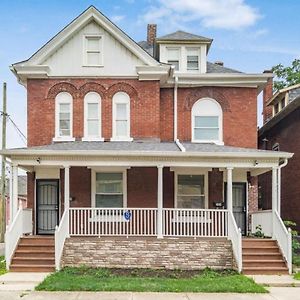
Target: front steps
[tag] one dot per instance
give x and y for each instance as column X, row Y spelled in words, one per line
column 262, row 256
column 34, row 254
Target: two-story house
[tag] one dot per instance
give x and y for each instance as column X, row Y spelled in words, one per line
column 139, row 155
column 281, row 132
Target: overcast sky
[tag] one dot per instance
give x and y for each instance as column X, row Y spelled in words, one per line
column 249, row 36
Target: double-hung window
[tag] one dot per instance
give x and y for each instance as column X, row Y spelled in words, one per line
column 173, row 56
column 121, row 117
column 109, row 190
column 190, row 191
column 207, row 120
column 192, row 58
column 93, row 50
column 92, row 117
column 63, row 116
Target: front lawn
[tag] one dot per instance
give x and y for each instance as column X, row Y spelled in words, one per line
column 2, row 265
column 297, row 276
column 296, row 260
column 146, row 280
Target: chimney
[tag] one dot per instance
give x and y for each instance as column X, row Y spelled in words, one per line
column 151, row 33
column 219, row 63
column 267, row 94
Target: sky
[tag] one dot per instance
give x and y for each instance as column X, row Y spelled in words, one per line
column 249, row 35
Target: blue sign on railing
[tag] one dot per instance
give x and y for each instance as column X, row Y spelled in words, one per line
column 127, row 215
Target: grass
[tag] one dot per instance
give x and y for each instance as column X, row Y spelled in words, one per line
column 296, row 260
column 2, row 265
column 137, row 280
column 297, row 276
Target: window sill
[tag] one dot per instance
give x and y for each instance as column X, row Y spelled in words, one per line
column 124, row 139
column 93, row 66
column 208, row 142
column 63, row 139
column 92, row 139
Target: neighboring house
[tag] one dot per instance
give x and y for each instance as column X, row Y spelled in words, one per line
column 281, row 132
column 22, row 195
column 148, row 146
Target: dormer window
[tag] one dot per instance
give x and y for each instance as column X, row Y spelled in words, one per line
column 93, row 50
column 192, row 59
column 173, row 56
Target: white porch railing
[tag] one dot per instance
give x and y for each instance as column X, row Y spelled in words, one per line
column 262, row 218
column 284, row 239
column 113, row 221
column 273, row 226
column 21, row 224
column 194, row 222
column 235, row 235
column 60, row 235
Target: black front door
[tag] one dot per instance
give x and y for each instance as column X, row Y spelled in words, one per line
column 47, row 206
column 238, row 204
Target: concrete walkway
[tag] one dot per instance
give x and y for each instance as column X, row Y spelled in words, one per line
column 276, row 280
column 14, row 281
column 275, row 294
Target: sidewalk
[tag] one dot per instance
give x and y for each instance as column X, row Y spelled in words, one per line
column 276, row 280
column 276, row 293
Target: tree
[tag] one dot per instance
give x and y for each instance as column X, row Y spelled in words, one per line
column 286, row 76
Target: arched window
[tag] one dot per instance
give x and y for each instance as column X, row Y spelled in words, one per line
column 64, row 117
column 207, row 122
column 121, row 117
column 92, row 117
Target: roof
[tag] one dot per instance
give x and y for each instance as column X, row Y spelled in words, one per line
column 292, row 106
column 293, row 90
column 143, row 149
column 183, row 36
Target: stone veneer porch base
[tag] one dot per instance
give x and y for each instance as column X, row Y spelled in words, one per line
column 148, row 252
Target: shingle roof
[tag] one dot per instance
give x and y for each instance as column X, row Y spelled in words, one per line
column 139, row 146
column 182, row 35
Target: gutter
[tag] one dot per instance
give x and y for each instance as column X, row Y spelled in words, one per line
column 180, row 146
column 279, row 184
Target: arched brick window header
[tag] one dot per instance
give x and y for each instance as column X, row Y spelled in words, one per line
column 122, row 87
column 92, row 87
column 62, row 87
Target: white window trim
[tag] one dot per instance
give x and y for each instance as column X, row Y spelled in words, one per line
column 84, row 52
column 220, row 116
column 179, row 56
column 86, row 137
column 108, row 170
column 191, row 172
column 198, row 49
column 57, row 137
column 116, row 138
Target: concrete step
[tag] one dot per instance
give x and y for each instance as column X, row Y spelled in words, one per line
column 264, row 263
column 34, row 247
column 260, row 242
column 31, row 268
column 261, row 249
column 262, row 256
column 34, row 261
column 35, row 253
column 265, row 270
column 37, row 241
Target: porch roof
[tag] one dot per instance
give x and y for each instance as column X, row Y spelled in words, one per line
column 143, row 148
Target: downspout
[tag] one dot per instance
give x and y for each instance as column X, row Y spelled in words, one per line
column 279, row 185
column 175, row 108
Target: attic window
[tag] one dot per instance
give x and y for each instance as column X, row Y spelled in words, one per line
column 192, row 59
column 173, row 57
column 93, row 50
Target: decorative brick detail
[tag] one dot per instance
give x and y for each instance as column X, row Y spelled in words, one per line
column 62, row 87
column 133, row 252
column 92, row 87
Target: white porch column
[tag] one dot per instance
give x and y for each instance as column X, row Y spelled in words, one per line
column 229, row 188
column 279, row 191
column 15, row 192
column 67, row 187
column 11, row 195
column 274, row 195
column 159, row 202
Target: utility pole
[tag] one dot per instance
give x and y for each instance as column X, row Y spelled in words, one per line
column 3, row 177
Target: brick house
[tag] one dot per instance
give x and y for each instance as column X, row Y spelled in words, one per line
column 139, row 155
column 281, row 132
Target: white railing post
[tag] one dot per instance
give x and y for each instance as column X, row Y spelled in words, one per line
column 290, row 252
column 15, row 191
column 229, row 188
column 279, row 191
column 67, row 188
column 159, row 202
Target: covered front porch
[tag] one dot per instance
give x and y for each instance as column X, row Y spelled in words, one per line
column 143, row 193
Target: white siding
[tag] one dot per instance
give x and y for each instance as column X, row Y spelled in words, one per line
column 68, row 59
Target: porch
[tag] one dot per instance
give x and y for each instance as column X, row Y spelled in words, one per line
column 171, row 194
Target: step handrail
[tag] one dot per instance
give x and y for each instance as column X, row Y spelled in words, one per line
column 284, row 239
column 235, row 235
column 60, row 235
column 21, row 224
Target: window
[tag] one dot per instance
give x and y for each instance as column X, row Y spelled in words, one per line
column 92, row 117
column 121, row 117
column 109, row 190
column 63, row 117
column 192, row 59
column 282, row 102
column 173, row 57
column 190, row 191
column 207, row 121
column 276, row 108
column 93, row 50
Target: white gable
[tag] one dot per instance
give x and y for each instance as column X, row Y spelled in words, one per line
column 69, row 60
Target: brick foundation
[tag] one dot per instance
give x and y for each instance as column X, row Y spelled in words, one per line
column 170, row 253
